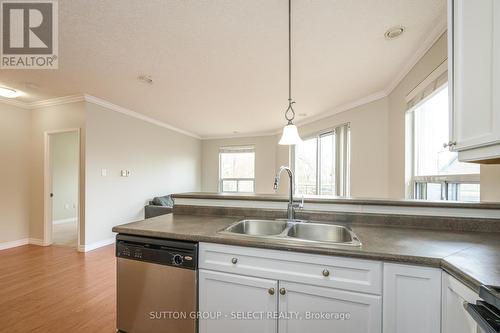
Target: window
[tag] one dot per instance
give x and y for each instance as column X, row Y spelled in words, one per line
column 321, row 163
column 237, row 169
column 436, row 172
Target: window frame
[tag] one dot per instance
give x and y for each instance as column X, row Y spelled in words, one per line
column 341, row 162
column 416, row 187
column 236, row 149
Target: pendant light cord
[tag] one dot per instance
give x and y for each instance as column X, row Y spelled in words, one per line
column 289, row 50
column 290, row 101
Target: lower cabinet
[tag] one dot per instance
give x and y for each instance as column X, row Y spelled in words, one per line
column 412, row 299
column 455, row 318
column 249, row 290
column 326, row 310
column 235, row 303
column 224, row 297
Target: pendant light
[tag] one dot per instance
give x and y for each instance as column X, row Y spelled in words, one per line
column 290, row 134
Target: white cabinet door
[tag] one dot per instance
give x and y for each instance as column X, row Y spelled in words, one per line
column 455, row 318
column 475, row 75
column 225, row 296
column 411, row 299
column 325, row 310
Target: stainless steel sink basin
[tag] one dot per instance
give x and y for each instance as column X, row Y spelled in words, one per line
column 294, row 230
column 257, row 227
column 321, row 232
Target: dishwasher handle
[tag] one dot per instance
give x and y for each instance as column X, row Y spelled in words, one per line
column 486, row 316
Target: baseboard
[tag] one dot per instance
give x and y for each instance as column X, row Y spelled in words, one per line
column 69, row 220
column 96, row 245
column 11, row 244
column 36, row 241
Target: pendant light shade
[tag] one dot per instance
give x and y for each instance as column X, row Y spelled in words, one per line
column 290, row 135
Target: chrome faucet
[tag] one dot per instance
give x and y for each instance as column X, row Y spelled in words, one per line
column 291, row 205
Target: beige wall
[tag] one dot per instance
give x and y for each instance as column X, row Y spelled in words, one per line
column 490, row 183
column 161, row 161
column 377, row 142
column 64, row 164
column 14, row 173
column 369, row 146
column 265, row 161
column 397, row 111
column 490, row 189
column 47, row 119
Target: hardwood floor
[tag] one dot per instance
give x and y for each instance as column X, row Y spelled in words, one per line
column 57, row 289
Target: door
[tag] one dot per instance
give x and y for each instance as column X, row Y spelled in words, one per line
column 455, row 318
column 230, row 303
column 412, row 299
column 325, row 310
column 475, row 53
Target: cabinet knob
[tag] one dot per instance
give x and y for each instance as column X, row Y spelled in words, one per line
column 270, row 291
column 234, row 260
column 450, row 144
column 282, row 291
column 326, row 273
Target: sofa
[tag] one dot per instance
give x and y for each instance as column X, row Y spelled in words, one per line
column 159, row 206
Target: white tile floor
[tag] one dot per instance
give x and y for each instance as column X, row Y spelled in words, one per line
column 65, row 234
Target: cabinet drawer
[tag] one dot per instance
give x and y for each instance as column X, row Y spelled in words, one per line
column 333, row 272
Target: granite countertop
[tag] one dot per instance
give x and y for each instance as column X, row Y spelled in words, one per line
column 338, row 200
column 471, row 257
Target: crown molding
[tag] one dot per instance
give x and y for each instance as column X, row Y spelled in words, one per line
column 57, row 101
column 240, row 135
column 342, row 108
column 426, row 45
column 134, row 114
column 44, row 103
column 13, row 102
column 94, row 100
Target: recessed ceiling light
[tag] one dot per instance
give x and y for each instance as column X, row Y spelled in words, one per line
column 394, row 32
column 146, row 79
column 8, row 92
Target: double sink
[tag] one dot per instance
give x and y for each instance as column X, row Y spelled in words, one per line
column 295, row 230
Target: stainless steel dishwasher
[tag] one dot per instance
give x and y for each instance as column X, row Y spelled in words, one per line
column 156, row 285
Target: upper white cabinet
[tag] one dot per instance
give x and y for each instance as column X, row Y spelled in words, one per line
column 455, row 318
column 412, row 299
column 474, row 51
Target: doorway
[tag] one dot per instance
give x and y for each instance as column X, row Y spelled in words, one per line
column 62, row 179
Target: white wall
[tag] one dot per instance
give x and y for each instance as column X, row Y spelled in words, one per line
column 160, row 160
column 14, row 173
column 64, row 161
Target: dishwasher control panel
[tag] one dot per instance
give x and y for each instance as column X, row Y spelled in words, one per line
column 158, row 251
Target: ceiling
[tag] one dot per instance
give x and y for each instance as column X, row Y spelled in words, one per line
column 220, row 66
